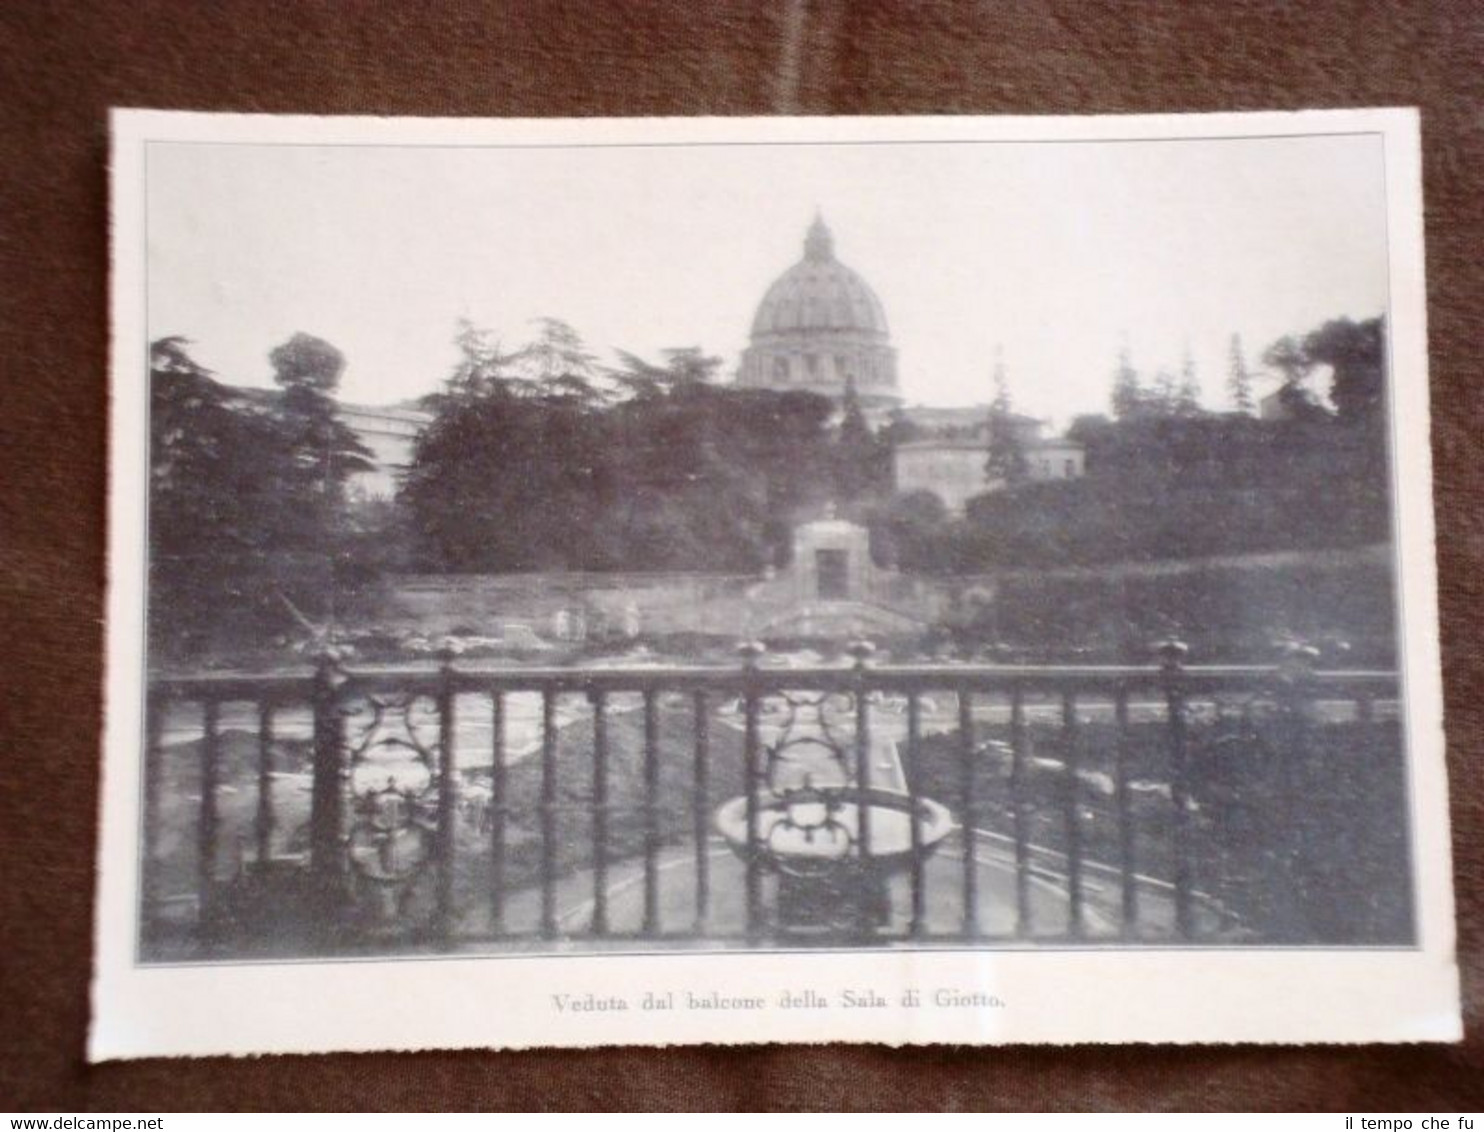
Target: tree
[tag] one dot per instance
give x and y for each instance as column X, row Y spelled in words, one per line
column 481, row 361
column 1355, row 353
column 321, row 451
column 1163, row 394
column 1293, row 365
column 505, row 477
column 900, row 429
column 1089, row 428
column 307, row 364
column 1187, row 400
column 856, row 461
column 518, row 475
column 680, row 365
column 1006, row 463
column 1238, row 379
column 1128, row 397
column 214, row 464
column 914, row 532
column 558, row 361
column 691, row 364
column 1288, row 358
column 217, row 504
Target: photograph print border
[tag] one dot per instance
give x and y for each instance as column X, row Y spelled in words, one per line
column 1410, row 566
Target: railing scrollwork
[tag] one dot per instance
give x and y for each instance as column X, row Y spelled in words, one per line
column 772, row 801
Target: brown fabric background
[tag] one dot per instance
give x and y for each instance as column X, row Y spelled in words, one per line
column 64, row 64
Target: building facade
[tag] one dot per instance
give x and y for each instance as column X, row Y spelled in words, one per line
column 390, row 434
column 951, row 465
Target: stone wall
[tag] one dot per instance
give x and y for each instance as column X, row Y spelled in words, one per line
column 568, row 606
column 553, row 605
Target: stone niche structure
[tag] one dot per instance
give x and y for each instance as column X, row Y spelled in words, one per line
column 831, row 562
column 832, row 589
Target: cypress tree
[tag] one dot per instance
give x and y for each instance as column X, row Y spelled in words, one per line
column 1188, row 394
column 1239, row 379
column 1006, row 463
column 855, row 447
column 1128, row 397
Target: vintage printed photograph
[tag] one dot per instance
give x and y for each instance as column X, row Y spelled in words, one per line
column 675, row 539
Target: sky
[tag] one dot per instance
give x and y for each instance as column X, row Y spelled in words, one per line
column 1057, row 254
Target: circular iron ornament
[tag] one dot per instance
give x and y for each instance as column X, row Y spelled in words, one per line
column 392, row 743
column 407, row 722
column 807, row 764
column 392, row 842
column 810, row 753
column 808, row 840
column 806, row 824
column 810, row 835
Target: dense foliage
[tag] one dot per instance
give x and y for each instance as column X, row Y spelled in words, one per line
column 540, row 459
column 249, row 528
column 651, row 467
column 1165, row 480
column 1160, row 488
column 1270, row 862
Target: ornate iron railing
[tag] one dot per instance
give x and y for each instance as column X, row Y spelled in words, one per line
column 854, row 804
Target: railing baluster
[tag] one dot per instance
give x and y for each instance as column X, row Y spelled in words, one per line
column 868, row 907
column 548, row 812
column 752, row 773
column 326, row 855
column 206, row 828
column 975, row 796
column 1296, row 694
column 263, row 824
column 700, row 814
column 1172, row 654
column 600, row 812
column 154, row 722
column 651, row 815
column 869, row 892
column 444, row 916
column 918, row 922
column 969, row 808
column 1180, row 796
column 1124, row 801
column 497, row 812
column 1019, row 817
column 1071, row 804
